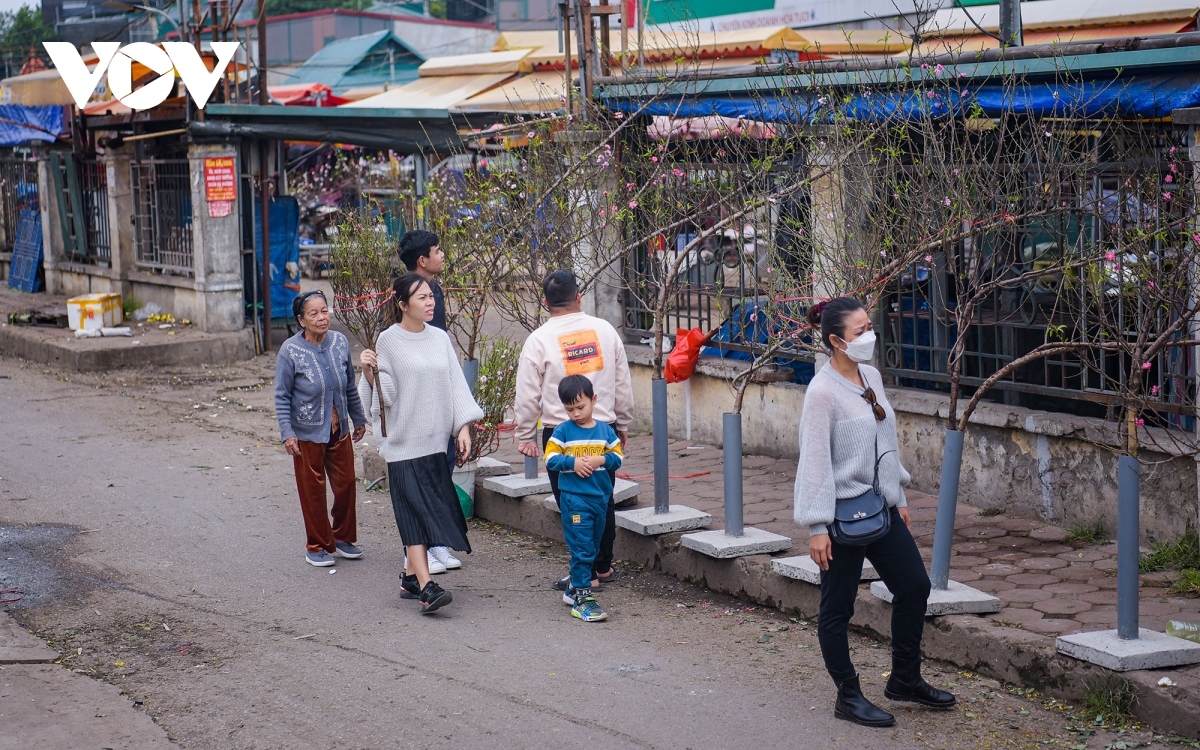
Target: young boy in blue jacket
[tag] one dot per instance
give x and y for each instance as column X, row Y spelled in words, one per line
column 584, row 451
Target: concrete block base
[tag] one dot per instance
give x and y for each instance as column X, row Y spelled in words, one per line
column 625, row 493
column 492, row 467
column 516, row 485
column 646, row 522
column 957, row 599
column 722, row 546
column 1150, row 650
column 802, row 568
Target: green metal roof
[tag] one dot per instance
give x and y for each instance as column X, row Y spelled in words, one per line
column 368, row 60
column 403, row 130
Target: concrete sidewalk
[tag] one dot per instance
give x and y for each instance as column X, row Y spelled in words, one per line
column 45, row 705
column 1048, row 588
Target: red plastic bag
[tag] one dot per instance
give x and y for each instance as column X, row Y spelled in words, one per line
column 681, row 362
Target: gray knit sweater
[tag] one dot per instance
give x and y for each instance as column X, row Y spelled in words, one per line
column 425, row 391
column 837, row 447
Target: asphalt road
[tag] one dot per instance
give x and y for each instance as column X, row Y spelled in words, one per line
column 151, row 521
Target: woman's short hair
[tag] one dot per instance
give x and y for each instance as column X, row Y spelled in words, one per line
column 404, row 288
column 302, row 299
column 830, row 316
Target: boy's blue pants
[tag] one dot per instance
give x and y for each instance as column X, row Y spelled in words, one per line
column 583, row 525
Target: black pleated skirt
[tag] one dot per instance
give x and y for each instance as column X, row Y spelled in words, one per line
column 426, row 503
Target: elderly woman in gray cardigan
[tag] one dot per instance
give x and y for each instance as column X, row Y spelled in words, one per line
column 318, row 409
column 847, row 429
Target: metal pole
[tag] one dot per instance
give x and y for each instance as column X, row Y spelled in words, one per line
column 732, row 436
column 264, row 97
column 471, row 373
column 662, row 484
column 1128, row 491
column 531, row 467
column 687, row 408
column 264, row 190
column 943, row 532
column 1011, row 32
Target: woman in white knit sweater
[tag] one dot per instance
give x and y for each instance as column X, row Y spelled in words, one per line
column 427, row 401
column 848, row 445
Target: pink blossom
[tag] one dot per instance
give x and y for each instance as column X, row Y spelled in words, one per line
column 829, row 215
column 1169, row 178
column 531, row 134
column 939, row 69
column 1196, row 238
column 956, row 172
column 924, row 66
column 883, row 253
column 1141, row 423
column 1172, row 149
column 928, row 258
column 1154, row 390
column 1110, row 255
column 1174, row 168
column 962, row 75
column 633, row 204
column 945, row 201
column 1145, row 365
column 1167, row 195
column 629, row 186
column 654, row 158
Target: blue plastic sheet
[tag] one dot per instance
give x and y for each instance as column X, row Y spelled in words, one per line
column 1150, row 96
column 749, row 324
column 285, row 253
column 20, row 124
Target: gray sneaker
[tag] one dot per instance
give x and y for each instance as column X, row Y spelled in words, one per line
column 320, row 559
column 348, row 550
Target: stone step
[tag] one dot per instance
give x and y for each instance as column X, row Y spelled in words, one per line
column 802, row 568
column 720, row 545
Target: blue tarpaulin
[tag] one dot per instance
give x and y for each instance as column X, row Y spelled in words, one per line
column 1150, row 96
column 285, row 253
column 20, row 124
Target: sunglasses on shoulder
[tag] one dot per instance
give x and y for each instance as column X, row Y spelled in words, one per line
column 876, row 407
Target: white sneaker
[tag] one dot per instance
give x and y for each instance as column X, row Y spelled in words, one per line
column 445, row 557
column 435, row 565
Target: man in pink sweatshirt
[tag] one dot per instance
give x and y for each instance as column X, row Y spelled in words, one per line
column 573, row 343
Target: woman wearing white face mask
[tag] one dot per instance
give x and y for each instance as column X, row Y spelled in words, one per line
column 849, row 453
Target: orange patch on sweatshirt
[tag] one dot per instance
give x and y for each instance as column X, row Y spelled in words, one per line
column 581, row 352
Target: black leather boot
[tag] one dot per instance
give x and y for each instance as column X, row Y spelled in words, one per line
column 853, row 706
column 906, row 684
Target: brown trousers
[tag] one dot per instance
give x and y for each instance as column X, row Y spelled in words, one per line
column 335, row 458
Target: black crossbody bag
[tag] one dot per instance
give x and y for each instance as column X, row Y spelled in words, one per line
column 858, row 521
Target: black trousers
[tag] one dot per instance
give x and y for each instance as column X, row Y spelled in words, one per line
column 899, row 564
column 604, row 557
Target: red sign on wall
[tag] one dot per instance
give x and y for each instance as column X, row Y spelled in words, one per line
column 220, row 179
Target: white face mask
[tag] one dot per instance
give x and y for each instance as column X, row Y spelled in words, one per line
column 862, row 348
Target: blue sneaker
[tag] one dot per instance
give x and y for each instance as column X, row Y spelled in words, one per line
column 348, row 550
column 320, row 559
column 586, row 608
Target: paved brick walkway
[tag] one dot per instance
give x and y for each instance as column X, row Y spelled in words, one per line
column 1046, row 586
